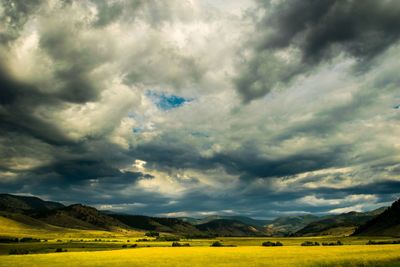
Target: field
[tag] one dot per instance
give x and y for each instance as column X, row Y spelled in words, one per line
column 247, row 252
column 127, row 248
column 356, row 255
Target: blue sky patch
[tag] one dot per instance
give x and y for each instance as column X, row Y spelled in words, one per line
column 167, row 101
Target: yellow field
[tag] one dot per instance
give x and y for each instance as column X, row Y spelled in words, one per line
column 354, row 255
column 103, row 248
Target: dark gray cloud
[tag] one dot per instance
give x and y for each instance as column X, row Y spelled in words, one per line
column 74, row 77
column 18, row 101
column 315, row 32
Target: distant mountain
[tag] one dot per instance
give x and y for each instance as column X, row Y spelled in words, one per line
column 243, row 219
column 385, row 224
column 24, row 204
column 287, row 225
column 190, row 220
column 224, row 227
column 80, row 217
column 40, row 214
column 341, row 224
column 167, row 225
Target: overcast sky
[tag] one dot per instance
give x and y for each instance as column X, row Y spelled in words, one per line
column 198, row 107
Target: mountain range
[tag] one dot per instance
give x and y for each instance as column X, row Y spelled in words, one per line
column 32, row 210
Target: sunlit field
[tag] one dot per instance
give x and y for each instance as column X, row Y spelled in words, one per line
column 357, row 255
column 133, row 248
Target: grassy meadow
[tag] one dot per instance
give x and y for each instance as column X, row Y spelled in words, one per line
column 356, row 255
column 132, row 248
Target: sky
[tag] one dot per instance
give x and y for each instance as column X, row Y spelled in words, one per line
column 192, row 108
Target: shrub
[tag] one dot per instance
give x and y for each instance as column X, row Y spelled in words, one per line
column 217, row 244
column 134, row 246
column 268, row 244
column 142, row 240
column 338, row 243
column 60, row 250
column 309, row 243
column 18, row 252
column 272, row 244
column 29, row 239
column 177, row 244
column 152, row 234
column 124, row 246
column 8, row 240
column 371, row 242
column 168, row 238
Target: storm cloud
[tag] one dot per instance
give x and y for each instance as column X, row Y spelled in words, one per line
column 179, row 108
column 295, row 37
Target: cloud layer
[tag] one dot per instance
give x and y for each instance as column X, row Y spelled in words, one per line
column 200, row 107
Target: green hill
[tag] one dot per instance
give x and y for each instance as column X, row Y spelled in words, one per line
column 243, row 219
column 26, row 204
column 385, row 224
column 79, row 216
column 225, row 227
column 167, row 225
column 287, row 225
column 341, row 224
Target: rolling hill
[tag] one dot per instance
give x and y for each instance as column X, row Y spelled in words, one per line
column 26, row 204
column 385, row 224
column 224, row 227
column 243, row 219
column 286, row 225
column 341, row 224
column 79, row 216
column 167, row 225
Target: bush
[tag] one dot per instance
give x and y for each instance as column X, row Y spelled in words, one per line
column 142, row 240
column 371, row 242
column 124, row 246
column 268, row 244
column 152, row 234
column 168, row 238
column 177, row 244
column 272, row 244
column 8, row 240
column 61, row 250
column 217, row 244
column 29, row 239
column 134, row 246
column 338, row 243
column 18, row 252
column 309, row 243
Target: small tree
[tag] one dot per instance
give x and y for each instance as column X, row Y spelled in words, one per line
column 217, row 244
column 268, row 244
column 176, row 244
